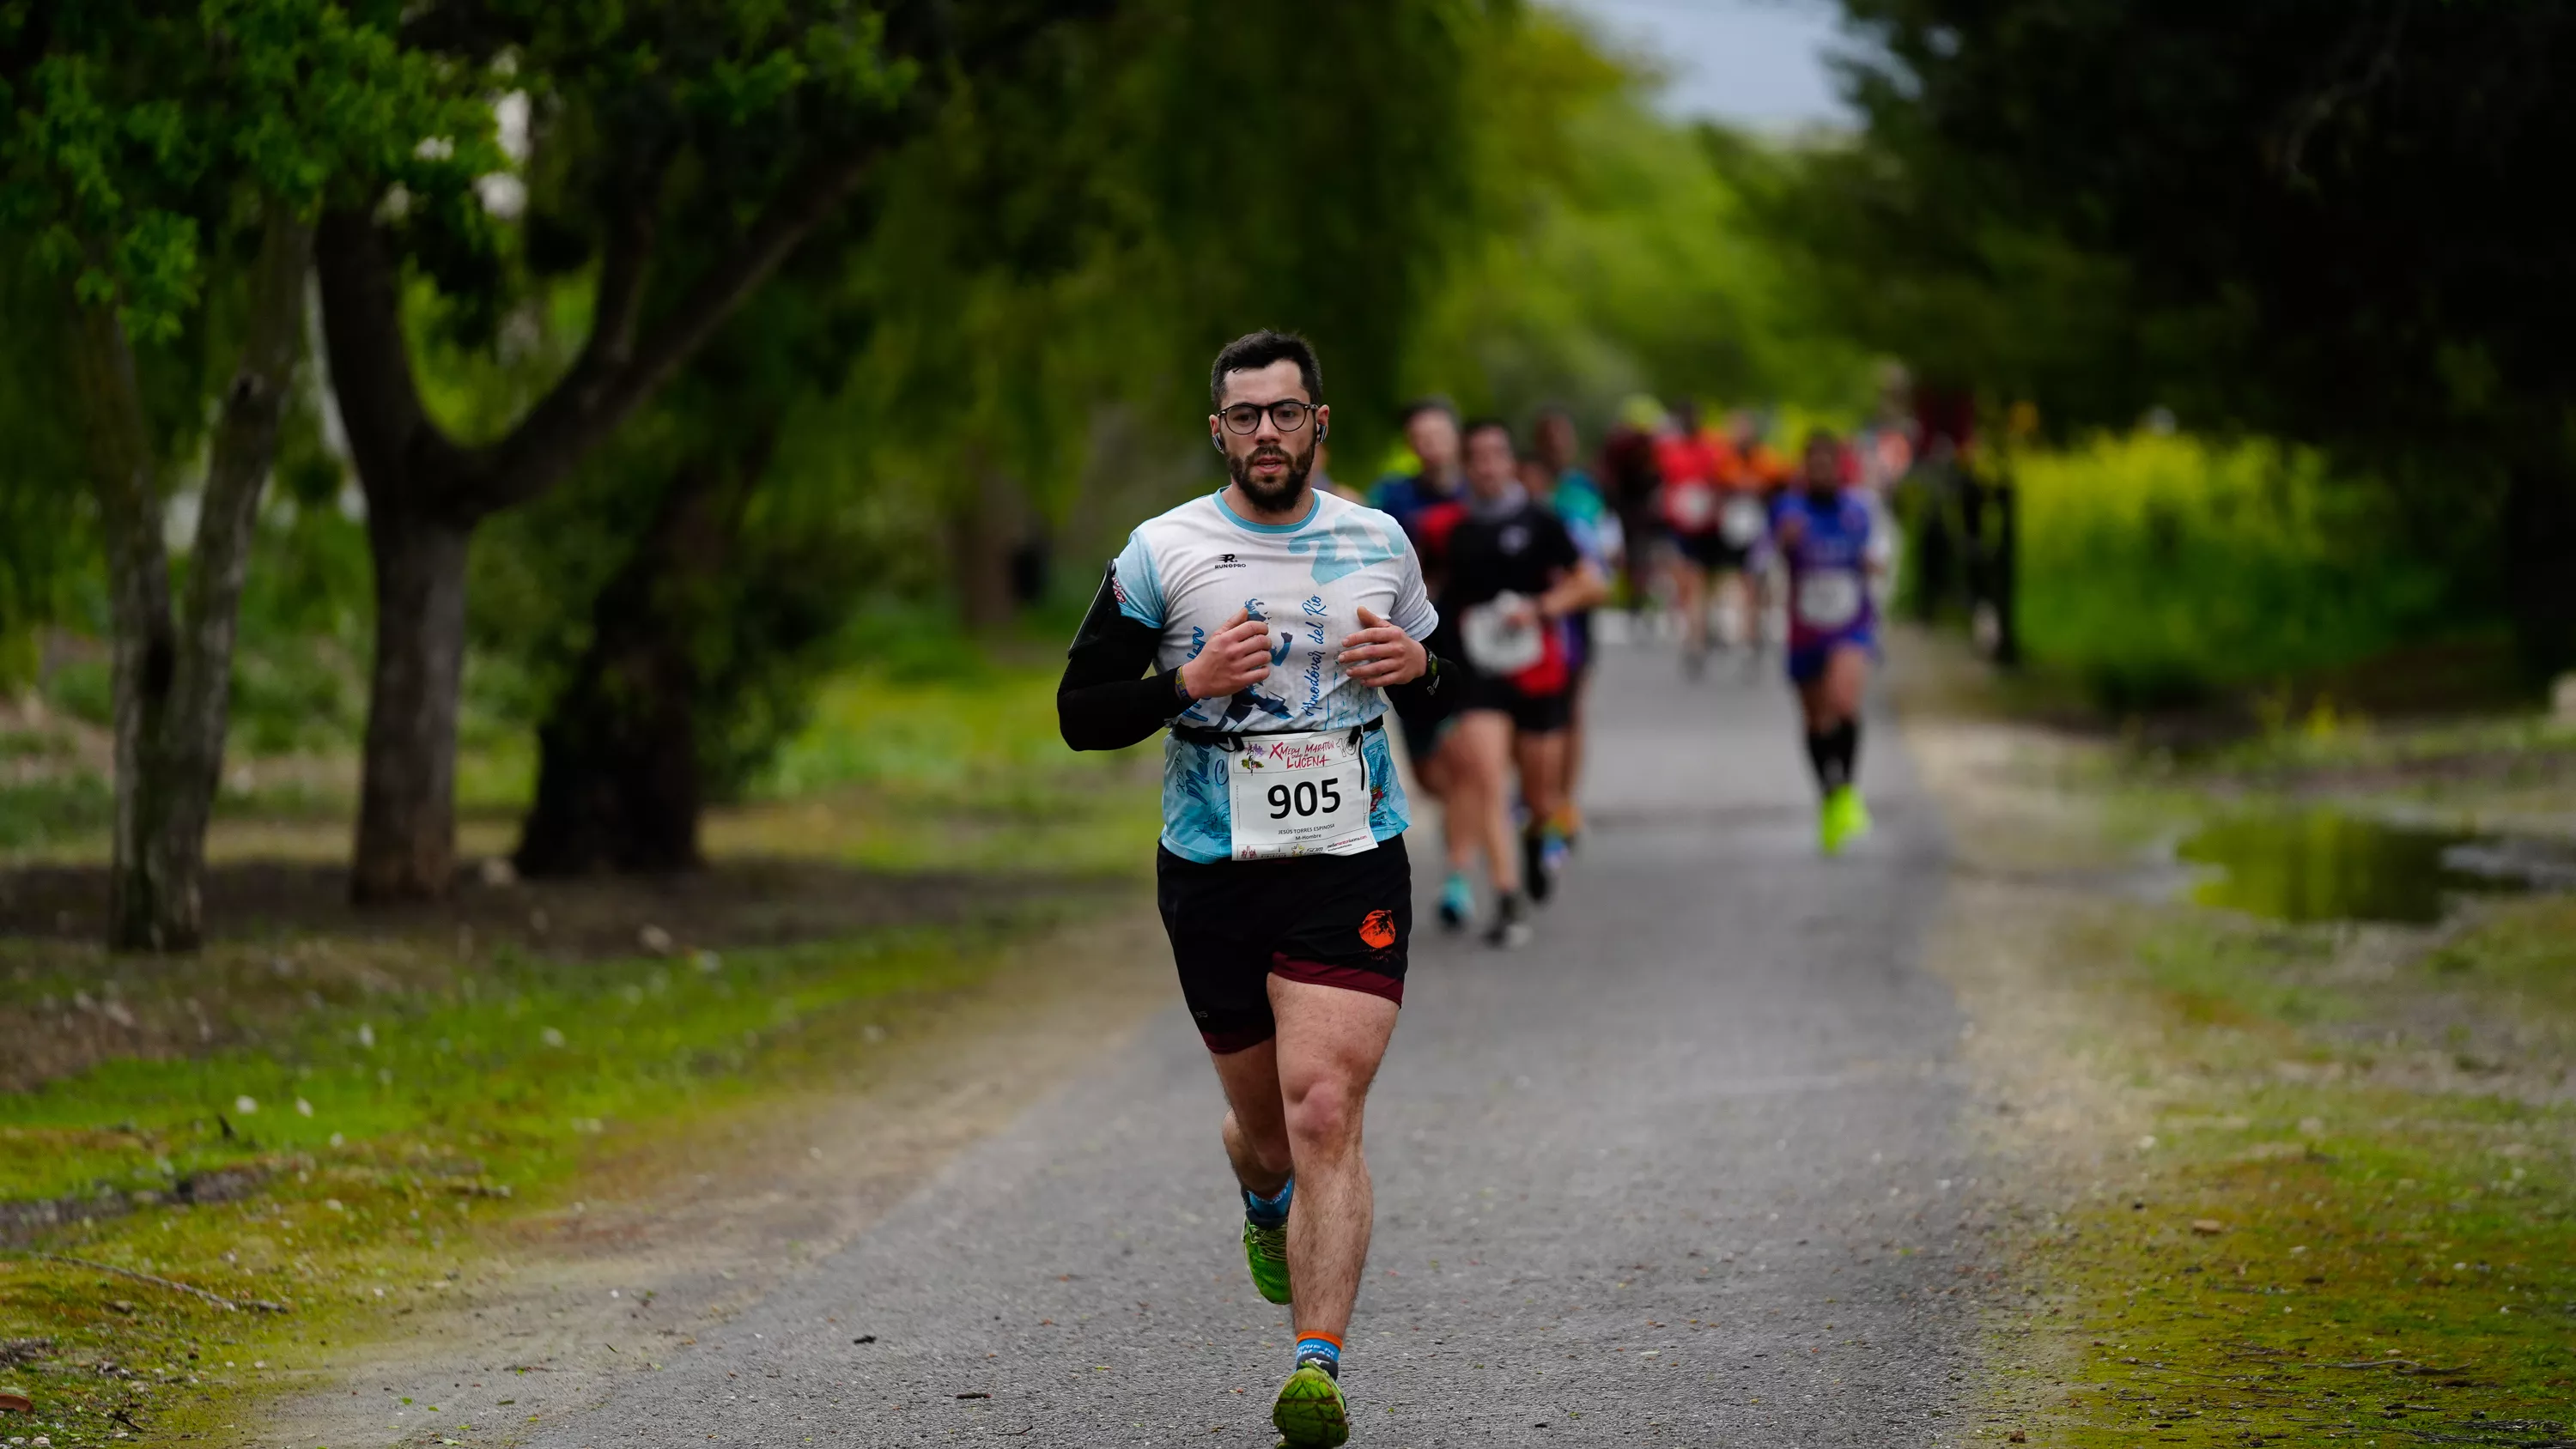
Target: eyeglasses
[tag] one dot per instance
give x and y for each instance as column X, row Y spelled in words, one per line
column 1287, row 415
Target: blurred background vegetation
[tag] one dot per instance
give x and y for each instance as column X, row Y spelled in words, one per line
column 2280, row 338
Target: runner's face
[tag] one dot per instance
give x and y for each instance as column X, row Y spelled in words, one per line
column 1270, row 466
column 1824, row 467
column 1434, row 436
column 1491, row 468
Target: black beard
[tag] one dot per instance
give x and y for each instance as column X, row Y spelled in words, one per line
column 1278, row 497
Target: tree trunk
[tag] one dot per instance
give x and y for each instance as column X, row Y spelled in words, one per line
column 426, row 492
column 983, row 534
column 146, row 910
column 2540, row 561
column 173, row 679
column 406, row 844
column 619, row 773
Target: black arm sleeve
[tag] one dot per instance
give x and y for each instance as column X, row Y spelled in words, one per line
column 1429, row 689
column 1102, row 704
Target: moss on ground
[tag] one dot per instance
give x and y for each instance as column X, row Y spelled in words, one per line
column 432, row 1122
column 2354, row 1216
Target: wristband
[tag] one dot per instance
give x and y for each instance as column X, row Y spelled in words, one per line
column 1181, row 690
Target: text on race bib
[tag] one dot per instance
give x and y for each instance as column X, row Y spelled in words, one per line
column 1299, row 794
column 1743, row 521
column 1829, row 598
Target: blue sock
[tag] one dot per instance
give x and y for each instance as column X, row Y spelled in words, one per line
column 1324, row 1353
column 1269, row 1212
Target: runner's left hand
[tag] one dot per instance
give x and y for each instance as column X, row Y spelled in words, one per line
column 1382, row 654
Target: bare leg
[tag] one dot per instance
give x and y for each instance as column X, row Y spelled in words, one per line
column 1542, row 760
column 1690, row 590
column 1846, row 672
column 1735, row 605
column 1834, row 696
column 1329, row 1044
column 1482, row 742
column 1459, row 836
column 1569, row 804
column 1256, row 1124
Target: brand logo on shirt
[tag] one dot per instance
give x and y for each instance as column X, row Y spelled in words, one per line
column 1229, row 561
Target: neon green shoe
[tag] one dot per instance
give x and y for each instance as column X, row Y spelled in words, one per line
column 1310, row 1413
column 1841, row 820
column 1266, row 1250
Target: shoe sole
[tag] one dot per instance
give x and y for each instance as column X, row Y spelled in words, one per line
column 1308, row 1414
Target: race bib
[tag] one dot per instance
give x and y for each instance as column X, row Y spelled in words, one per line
column 1690, row 507
column 1829, row 598
column 1498, row 643
column 1300, row 794
column 1743, row 521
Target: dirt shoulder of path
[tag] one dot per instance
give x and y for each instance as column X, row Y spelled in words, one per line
column 681, row 1231
column 2266, row 1182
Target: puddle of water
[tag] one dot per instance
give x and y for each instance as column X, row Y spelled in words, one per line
column 2325, row 865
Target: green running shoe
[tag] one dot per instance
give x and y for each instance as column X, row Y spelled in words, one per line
column 1842, row 820
column 1266, row 1250
column 1310, row 1413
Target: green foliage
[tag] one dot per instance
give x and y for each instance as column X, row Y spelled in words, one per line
column 140, row 136
column 1323, row 185
column 2160, row 568
column 2307, row 220
column 47, row 552
column 1615, row 253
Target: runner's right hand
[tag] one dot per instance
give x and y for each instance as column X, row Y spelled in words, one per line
column 1237, row 657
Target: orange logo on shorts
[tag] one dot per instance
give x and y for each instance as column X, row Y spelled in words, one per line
column 1379, row 929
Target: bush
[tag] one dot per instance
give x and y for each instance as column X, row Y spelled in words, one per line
column 2158, row 569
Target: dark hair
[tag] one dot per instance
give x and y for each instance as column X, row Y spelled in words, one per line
column 1432, row 404
column 1819, row 435
column 1254, row 351
column 1479, row 425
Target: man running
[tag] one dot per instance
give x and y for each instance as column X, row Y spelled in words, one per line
column 1428, row 503
column 1826, row 537
column 1431, row 430
column 1694, row 461
column 1570, row 493
column 1514, row 579
column 1275, row 618
column 1752, row 476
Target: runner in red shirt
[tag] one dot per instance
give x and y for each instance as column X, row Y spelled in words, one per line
column 1695, row 463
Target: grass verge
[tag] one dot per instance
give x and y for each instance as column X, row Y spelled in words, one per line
column 351, row 1171
column 342, row 1115
column 2274, row 1182
column 2336, row 1230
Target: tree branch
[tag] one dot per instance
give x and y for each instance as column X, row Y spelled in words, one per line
column 583, row 408
column 390, row 432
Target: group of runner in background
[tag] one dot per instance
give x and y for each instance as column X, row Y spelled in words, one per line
column 1698, row 529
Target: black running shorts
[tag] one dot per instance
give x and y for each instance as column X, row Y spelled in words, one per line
column 1532, row 714
column 1711, row 552
column 1330, row 920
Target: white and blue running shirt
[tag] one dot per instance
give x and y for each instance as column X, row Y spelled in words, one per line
column 1185, row 574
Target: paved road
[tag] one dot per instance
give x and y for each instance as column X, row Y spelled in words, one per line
column 1686, row 1171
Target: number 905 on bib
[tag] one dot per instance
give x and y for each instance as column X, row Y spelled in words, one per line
column 1299, row 794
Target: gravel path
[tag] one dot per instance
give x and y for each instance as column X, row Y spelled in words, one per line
column 1685, row 1171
